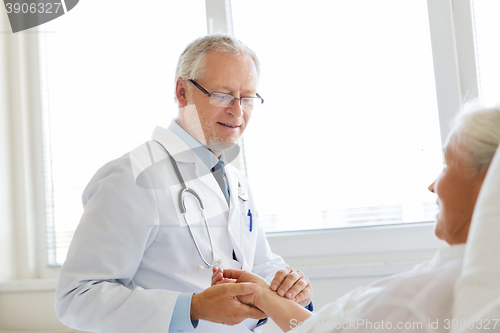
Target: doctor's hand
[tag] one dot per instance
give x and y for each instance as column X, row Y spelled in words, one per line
column 293, row 285
column 239, row 276
column 220, row 304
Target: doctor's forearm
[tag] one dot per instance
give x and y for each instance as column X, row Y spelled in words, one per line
column 282, row 311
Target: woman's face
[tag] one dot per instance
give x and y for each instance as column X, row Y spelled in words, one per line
column 457, row 188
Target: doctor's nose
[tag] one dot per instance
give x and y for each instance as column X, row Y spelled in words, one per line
column 235, row 108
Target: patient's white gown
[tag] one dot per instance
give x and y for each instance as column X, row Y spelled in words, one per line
column 436, row 296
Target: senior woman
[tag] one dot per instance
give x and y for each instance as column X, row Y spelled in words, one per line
column 420, row 300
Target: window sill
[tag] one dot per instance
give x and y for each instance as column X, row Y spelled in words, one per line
column 356, row 271
column 17, row 286
column 340, row 249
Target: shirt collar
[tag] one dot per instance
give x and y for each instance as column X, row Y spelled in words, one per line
column 203, row 152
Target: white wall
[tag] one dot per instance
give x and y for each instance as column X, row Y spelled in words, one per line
column 29, row 311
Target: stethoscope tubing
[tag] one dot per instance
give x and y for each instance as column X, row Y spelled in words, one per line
column 182, row 194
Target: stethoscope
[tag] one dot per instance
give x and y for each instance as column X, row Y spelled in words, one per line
column 185, row 191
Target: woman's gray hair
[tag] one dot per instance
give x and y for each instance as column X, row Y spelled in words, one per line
column 476, row 130
column 191, row 61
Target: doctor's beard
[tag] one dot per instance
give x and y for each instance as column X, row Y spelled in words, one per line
column 202, row 131
column 215, row 143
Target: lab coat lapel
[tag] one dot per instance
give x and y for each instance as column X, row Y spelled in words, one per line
column 234, row 211
column 234, row 224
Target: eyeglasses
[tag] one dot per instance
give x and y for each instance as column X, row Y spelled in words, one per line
column 226, row 100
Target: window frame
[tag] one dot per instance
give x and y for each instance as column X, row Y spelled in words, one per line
column 455, row 67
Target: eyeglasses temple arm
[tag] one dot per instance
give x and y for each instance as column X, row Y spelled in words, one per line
column 200, row 87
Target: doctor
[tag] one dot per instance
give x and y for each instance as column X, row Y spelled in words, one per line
column 136, row 263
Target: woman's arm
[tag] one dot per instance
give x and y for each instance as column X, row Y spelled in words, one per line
column 284, row 312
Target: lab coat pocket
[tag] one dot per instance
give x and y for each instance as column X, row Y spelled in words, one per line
column 248, row 222
column 248, row 240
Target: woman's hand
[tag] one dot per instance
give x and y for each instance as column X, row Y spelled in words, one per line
column 218, row 277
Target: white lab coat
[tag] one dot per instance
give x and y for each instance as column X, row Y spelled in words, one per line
column 132, row 253
column 417, row 301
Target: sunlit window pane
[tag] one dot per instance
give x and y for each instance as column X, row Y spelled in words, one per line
column 488, row 53
column 108, row 79
column 349, row 134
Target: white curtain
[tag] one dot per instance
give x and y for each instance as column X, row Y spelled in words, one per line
column 21, row 160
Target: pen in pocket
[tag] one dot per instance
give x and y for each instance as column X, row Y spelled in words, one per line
column 251, row 222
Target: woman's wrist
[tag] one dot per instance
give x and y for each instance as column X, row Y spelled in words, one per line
column 263, row 296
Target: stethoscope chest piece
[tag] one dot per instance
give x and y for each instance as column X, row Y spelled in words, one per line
column 201, row 267
column 243, row 196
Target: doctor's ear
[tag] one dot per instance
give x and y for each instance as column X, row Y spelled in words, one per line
column 181, row 92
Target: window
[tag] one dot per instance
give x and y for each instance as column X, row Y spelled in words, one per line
column 488, row 53
column 350, row 132
column 107, row 81
column 350, row 103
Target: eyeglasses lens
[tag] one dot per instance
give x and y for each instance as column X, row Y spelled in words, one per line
column 219, row 99
column 225, row 100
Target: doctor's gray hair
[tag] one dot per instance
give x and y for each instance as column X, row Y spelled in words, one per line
column 191, row 61
column 476, row 130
